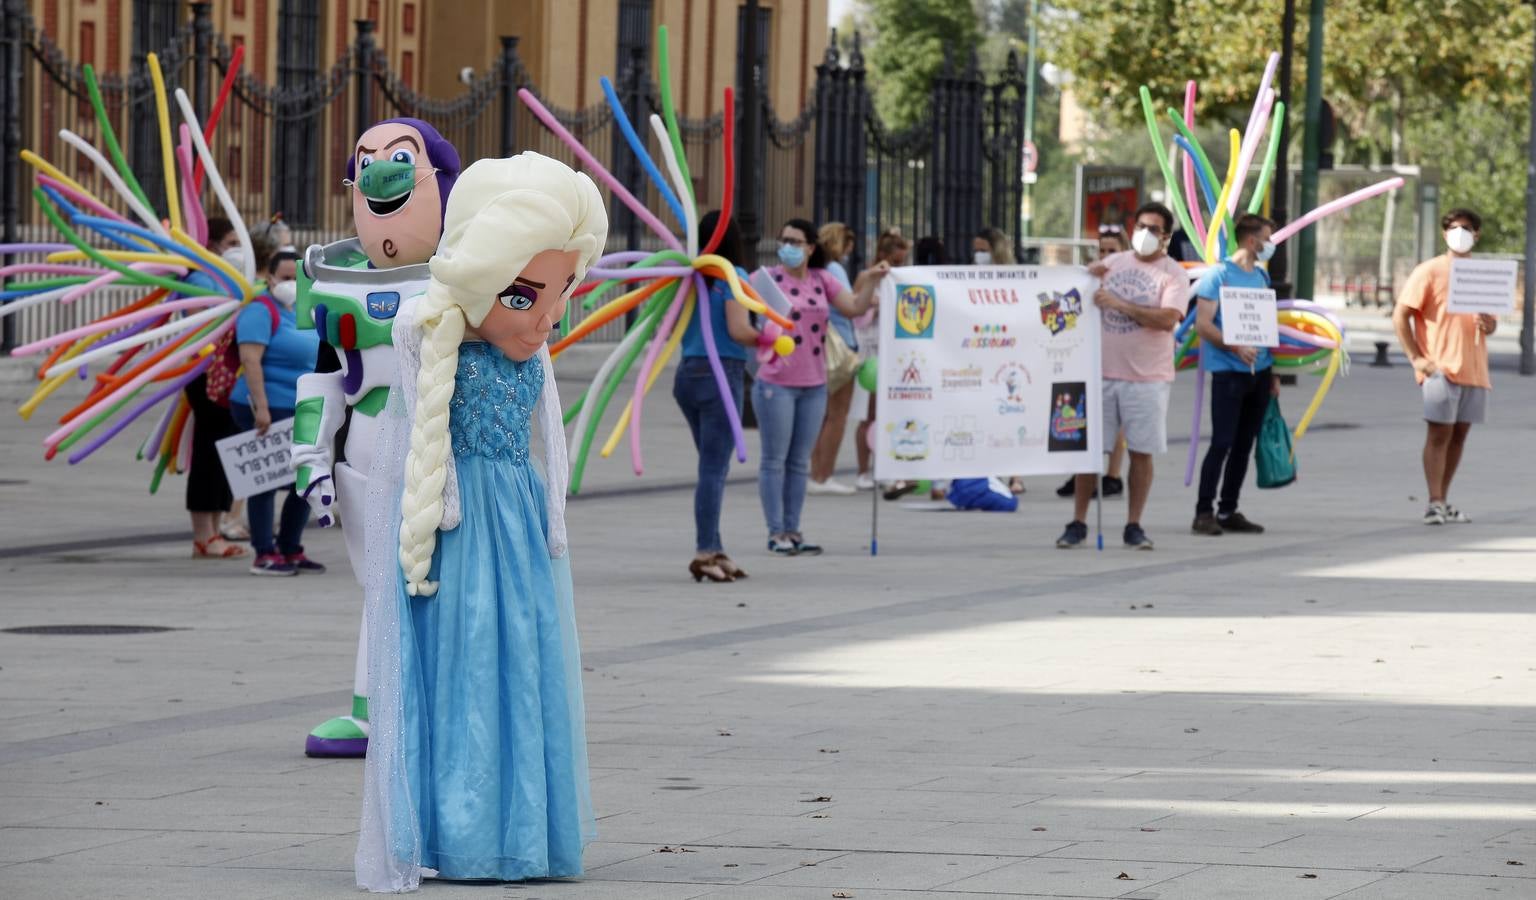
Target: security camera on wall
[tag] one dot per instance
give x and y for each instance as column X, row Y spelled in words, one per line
column 467, row 75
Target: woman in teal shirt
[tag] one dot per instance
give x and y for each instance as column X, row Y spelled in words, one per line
column 273, row 354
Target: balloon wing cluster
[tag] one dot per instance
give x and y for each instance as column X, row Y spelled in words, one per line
column 157, row 341
column 665, row 289
column 1311, row 336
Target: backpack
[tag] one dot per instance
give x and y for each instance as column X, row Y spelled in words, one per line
column 224, row 371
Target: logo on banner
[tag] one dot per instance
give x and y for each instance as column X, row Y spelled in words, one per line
column 1011, row 379
column 1069, row 417
column 914, row 311
column 964, row 379
column 1021, row 438
column 989, row 337
column 1059, row 312
column 961, row 438
column 911, row 383
column 909, row 440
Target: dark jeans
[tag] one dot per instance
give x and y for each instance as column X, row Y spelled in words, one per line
column 1238, row 403
column 698, row 396
column 259, row 507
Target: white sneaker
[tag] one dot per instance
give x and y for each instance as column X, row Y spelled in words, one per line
column 865, row 482
column 831, row 486
column 1435, row 514
column 1455, row 516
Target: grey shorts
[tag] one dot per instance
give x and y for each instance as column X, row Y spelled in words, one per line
column 1449, row 403
column 1140, row 408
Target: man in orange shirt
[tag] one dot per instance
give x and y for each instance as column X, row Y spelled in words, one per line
column 1450, row 360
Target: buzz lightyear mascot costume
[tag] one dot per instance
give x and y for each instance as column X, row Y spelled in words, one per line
column 400, row 172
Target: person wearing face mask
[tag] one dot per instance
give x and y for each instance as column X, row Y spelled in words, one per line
column 1142, row 297
column 209, row 501
column 272, row 360
column 836, row 242
column 790, row 393
column 1112, row 240
column 1242, row 381
column 1450, row 361
column 991, row 247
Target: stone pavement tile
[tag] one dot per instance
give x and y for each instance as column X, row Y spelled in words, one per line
column 896, row 871
column 20, row 843
column 586, row 888
column 1438, row 887
column 662, row 828
column 938, row 806
column 1257, row 883
column 1076, row 878
column 709, row 864
column 137, row 786
column 51, row 880
column 333, row 854
column 773, row 892
column 1491, row 859
column 26, row 810
column 181, row 848
column 834, row 833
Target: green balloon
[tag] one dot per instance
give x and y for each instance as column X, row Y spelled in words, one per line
column 869, row 374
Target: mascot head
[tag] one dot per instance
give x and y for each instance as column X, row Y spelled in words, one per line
column 401, row 172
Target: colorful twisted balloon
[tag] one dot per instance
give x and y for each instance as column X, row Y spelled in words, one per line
column 672, row 287
column 180, row 319
column 1311, row 336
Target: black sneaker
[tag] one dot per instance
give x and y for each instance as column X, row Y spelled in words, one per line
column 1239, row 523
column 1135, row 538
column 1074, row 537
column 801, row 547
column 782, row 546
column 1070, row 488
column 1113, row 487
column 1205, row 523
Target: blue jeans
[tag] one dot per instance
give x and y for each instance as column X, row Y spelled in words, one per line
column 259, row 507
column 788, row 419
column 698, row 396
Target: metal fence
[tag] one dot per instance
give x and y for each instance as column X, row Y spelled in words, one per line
column 282, row 147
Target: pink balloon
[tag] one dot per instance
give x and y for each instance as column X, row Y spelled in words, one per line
column 1328, row 209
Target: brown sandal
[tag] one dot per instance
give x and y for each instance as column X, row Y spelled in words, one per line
column 710, row 568
column 730, row 568
column 207, row 549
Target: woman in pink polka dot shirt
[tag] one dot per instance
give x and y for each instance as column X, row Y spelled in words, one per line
column 790, row 393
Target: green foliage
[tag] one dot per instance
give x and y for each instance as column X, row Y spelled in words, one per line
column 908, row 49
column 1438, row 83
column 1477, row 170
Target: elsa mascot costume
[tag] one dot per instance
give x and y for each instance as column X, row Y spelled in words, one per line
column 477, row 766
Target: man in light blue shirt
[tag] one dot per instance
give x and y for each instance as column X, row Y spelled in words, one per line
column 1242, row 381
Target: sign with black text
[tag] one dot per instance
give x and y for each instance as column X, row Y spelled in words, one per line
column 256, row 463
column 1250, row 317
column 1485, row 286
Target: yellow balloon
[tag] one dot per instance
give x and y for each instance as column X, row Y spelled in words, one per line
column 784, row 345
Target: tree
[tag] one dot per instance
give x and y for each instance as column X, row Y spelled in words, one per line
column 1399, row 72
column 910, row 43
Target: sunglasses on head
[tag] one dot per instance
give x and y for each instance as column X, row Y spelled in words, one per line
column 1107, row 230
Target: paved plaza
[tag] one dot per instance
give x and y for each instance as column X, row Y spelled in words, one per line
column 1344, row 707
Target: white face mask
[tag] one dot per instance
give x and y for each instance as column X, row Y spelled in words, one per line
column 235, row 256
column 982, row 258
column 1460, row 240
column 285, row 292
column 1266, row 252
column 1144, row 242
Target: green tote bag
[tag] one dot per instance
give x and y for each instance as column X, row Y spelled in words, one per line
column 1273, row 454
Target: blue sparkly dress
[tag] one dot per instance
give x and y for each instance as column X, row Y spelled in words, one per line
column 494, row 743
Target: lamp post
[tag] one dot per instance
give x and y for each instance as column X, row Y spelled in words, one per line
column 1528, row 307
column 1306, row 252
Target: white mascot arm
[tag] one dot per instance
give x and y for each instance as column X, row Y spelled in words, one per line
column 318, row 414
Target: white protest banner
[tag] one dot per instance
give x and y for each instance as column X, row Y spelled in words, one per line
column 1483, row 286
column 255, row 463
column 1249, row 317
column 988, row 370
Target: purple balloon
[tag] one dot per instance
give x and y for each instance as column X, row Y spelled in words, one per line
column 707, row 328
